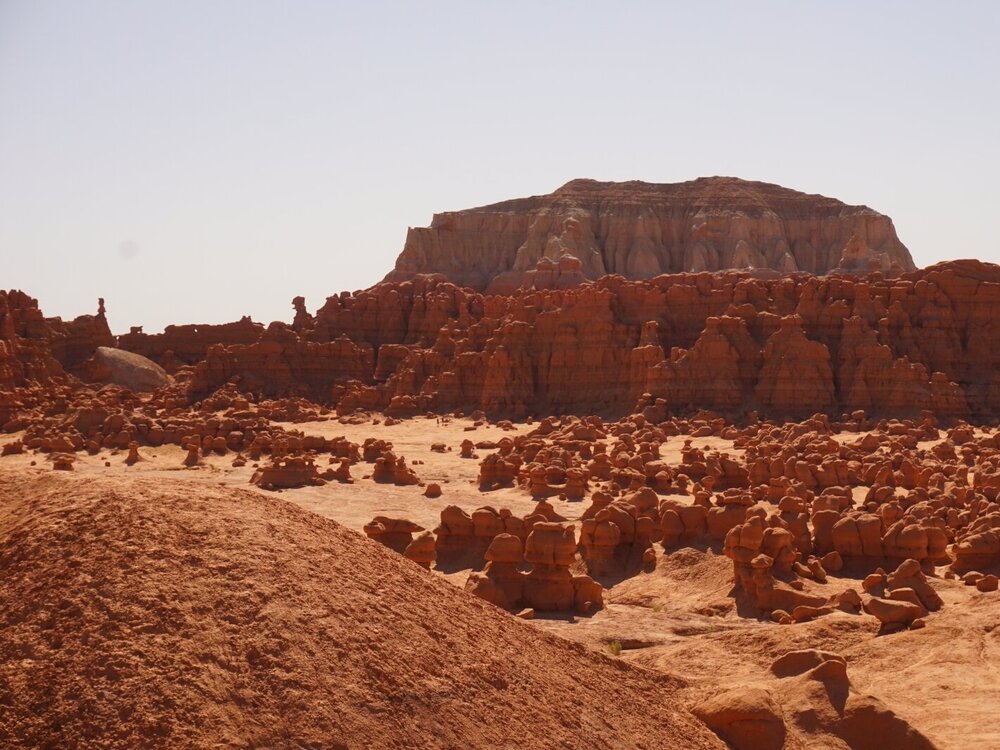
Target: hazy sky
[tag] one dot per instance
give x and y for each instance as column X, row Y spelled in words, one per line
column 197, row 160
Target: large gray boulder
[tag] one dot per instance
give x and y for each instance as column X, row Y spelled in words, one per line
column 127, row 369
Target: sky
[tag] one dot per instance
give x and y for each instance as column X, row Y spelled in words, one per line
column 193, row 161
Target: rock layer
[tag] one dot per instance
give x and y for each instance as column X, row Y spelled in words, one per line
column 36, row 349
column 732, row 343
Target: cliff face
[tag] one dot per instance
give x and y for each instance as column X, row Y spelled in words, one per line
column 733, row 343
column 24, row 354
column 188, row 344
column 640, row 230
column 730, row 342
column 37, row 349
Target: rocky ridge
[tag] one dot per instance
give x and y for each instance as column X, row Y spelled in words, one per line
column 731, row 343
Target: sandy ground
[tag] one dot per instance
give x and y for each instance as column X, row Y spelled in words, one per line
column 678, row 619
column 153, row 614
column 356, row 504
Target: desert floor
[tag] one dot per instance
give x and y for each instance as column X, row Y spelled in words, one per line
column 678, row 618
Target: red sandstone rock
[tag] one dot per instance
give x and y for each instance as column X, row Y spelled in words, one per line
column 62, row 461
column 897, row 346
column 342, row 473
column 892, row 612
column 133, row 454
column 397, row 534
column 548, row 586
column 500, row 582
column 188, row 344
column 286, row 472
column 421, row 550
column 813, row 703
column 641, row 230
column 988, row 583
column 124, row 368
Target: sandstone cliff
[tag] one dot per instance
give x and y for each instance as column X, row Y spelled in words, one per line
column 730, row 342
column 24, row 351
column 187, row 344
column 733, row 343
column 640, row 230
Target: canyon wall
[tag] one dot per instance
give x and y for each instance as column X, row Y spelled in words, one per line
column 733, row 343
column 728, row 342
column 640, row 230
column 188, row 344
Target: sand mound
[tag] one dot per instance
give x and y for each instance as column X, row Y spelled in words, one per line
column 138, row 617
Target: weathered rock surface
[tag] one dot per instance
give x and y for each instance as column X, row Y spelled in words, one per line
column 587, row 229
column 812, row 704
column 124, row 368
column 26, row 349
column 188, row 344
column 733, row 343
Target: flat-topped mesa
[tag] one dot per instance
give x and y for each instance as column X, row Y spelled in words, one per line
column 641, row 230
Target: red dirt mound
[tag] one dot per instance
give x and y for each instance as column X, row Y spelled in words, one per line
column 133, row 616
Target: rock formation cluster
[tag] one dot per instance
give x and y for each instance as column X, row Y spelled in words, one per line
column 730, row 343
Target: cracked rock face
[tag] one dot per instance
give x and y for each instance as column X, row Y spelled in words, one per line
column 587, row 229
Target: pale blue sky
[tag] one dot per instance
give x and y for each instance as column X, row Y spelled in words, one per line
column 196, row 160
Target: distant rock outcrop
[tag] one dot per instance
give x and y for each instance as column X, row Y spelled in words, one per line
column 36, row 349
column 587, row 229
column 127, row 369
column 25, row 354
column 733, row 343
